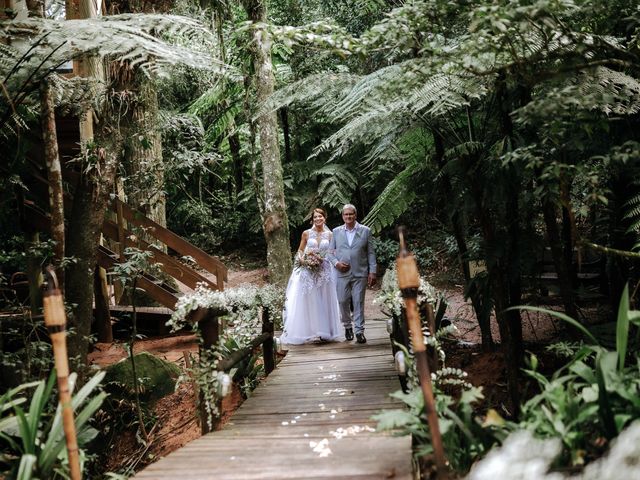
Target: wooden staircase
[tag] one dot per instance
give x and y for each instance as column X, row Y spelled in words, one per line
column 119, row 225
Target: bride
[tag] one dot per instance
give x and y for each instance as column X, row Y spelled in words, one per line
column 311, row 311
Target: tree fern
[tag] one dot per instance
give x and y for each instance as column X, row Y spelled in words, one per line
column 337, row 186
column 395, row 198
column 313, row 92
column 131, row 38
column 32, row 49
column 631, row 210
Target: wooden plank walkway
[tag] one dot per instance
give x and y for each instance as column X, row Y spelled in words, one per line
column 309, row 419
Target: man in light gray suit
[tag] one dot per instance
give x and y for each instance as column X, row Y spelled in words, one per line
column 353, row 255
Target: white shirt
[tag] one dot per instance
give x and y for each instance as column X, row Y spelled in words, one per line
column 351, row 233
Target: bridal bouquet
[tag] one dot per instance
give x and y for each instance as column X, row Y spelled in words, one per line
column 311, row 260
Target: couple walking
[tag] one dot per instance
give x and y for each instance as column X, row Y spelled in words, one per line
column 320, row 302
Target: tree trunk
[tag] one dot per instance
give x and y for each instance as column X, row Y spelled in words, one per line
column 90, row 201
column 103, row 315
column 497, row 268
column 555, row 243
column 284, row 118
column 275, row 222
column 54, row 177
column 238, row 167
column 480, row 301
column 34, row 273
column 143, row 148
column 35, row 8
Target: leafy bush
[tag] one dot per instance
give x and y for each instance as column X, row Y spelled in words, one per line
column 33, row 442
column 590, row 400
column 387, row 251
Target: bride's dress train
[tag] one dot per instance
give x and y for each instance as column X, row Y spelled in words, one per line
column 311, row 312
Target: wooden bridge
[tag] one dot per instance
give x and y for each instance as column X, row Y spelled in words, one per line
column 311, row 418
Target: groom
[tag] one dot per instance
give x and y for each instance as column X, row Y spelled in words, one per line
column 352, row 254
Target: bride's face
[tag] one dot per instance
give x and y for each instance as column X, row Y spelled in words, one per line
column 318, row 219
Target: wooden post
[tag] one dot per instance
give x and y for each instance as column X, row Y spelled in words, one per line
column 208, row 324
column 409, row 281
column 118, row 287
column 431, row 320
column 55, row 320
column 268, row 349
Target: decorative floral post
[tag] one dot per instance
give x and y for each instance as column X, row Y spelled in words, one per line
column 409, row 282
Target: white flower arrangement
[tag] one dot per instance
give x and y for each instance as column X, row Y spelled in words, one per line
column 390, row 297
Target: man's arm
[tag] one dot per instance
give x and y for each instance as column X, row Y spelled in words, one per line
column 331, row 254
column 371, row 259
column 342, row 267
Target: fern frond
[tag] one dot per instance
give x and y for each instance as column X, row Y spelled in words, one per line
column 131, row 38
column 74, row 95
column 338, row 185
column 443, row 93
column 464, row 149
column 314, row 91
column 618, row 93
column 394, row 199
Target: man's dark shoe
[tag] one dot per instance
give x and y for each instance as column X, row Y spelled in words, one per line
column 348, row 333
column 360, row 338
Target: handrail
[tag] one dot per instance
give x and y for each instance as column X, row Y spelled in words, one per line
column 175, row 242
column 181, row 272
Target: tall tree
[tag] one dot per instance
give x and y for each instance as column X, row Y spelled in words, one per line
column 275, row 223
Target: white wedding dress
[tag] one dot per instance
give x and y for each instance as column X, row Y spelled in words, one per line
column 311, row 311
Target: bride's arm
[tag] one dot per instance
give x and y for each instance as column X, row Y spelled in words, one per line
column 303, row 242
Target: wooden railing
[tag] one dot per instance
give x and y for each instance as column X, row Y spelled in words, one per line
column 118, row 231
column 208, row 321
column 173, row 241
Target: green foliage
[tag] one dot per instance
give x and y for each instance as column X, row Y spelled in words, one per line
column 464, row 438
column 592, row 398
column 33, row 439
column 247, row 372
column 242, row 322
column 387, row 251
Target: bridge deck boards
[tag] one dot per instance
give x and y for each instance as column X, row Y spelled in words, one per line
column 309, row 419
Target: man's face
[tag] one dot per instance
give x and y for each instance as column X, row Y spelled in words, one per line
column 349, row 217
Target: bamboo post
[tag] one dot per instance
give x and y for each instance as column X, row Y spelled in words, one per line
column 408, row 282
column 55, row 321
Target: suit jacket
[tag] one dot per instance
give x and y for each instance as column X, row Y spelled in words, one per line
column 360, row 255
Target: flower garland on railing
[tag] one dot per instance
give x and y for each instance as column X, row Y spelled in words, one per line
column 242, row 323
column 390, row 297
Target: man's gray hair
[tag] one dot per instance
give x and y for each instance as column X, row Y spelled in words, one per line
column 350, row 206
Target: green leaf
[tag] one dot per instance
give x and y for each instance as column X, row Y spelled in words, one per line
column 471, row 395
column 561, row 316
column 604, row 412
column 622, row 327
column 413, row 399
column 590, row 394
column 392, row 419
column 584, row 371
column 25, row 470
column 621, row 420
